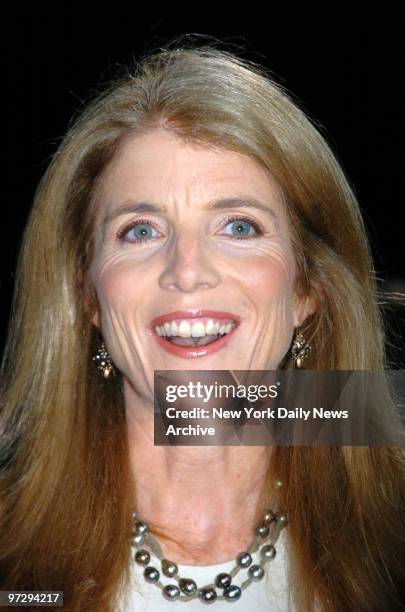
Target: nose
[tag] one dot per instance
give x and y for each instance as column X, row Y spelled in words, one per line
column 189, row 267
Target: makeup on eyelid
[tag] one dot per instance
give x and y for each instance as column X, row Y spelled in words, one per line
column 222, row 204
column 257, row 226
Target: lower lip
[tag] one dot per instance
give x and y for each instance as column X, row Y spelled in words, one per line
column 190, row 352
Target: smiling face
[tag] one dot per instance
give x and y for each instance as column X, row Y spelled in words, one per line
column 193, row 266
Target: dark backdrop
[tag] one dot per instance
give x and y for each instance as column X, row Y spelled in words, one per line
column 345, row 75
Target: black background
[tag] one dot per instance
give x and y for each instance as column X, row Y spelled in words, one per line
column 346, row 75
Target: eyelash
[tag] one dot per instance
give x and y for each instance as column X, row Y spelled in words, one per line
column 259, row 229
column 122, row 233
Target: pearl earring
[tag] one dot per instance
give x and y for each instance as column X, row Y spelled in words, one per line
column 103, row 361
column 300, row 349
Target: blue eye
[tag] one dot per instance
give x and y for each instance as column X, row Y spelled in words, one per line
column 243, row 228
column 138, row 231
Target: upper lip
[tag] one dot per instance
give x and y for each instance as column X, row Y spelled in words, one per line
column 193, row 314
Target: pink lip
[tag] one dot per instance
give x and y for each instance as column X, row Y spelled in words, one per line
column 188, row 352
column 192, row 314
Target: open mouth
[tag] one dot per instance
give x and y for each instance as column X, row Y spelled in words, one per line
column 185, row 333
column 194, row 333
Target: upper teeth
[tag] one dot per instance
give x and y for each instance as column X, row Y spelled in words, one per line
column 184, row 329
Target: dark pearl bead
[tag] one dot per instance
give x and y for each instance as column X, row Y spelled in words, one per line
column 268, row 552
column 140, row 527
column 244, row 559
column 169, row 568
column 138, row 539
column 232, row 593
column 223, row 580
column 282, row 520
column 142, row 557
column 171, row 591
column 151, row 574
column 262, row 531
column 256, row 572
column 187, row 586
column 207, row 594
column 269, row 517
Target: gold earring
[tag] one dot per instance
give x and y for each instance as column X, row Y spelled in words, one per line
column 300, row 349
column 103, row 361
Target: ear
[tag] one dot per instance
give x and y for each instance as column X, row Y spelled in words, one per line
column 303, row 307
column 95, row 318
column 90, row 301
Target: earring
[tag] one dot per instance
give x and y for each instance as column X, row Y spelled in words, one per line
column 300, row 349
column 103, row 361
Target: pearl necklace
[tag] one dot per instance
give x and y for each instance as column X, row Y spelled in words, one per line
column 266, row 534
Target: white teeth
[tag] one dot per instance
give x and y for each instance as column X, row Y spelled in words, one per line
column 184, row 329
column 211, row 327
column 198, row 330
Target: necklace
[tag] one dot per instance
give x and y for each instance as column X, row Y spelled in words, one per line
column 265, row 537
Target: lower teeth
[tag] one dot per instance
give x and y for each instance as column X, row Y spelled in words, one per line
column 194, row 341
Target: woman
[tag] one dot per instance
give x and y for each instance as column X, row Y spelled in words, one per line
column 192, row 191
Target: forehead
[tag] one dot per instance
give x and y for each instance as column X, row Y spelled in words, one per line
column 161, row 167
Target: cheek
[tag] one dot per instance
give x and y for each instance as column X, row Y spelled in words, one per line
column 269, row 273
column 269, row 283
column 268, row 279
column 121, row 291
column 119, row 286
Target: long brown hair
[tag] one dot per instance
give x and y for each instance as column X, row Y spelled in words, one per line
column 65, row 485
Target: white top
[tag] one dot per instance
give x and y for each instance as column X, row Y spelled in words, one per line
column 268, row 594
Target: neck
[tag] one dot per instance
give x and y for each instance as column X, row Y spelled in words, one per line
column 202, row 503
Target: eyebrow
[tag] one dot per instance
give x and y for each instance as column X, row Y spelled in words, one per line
column 148, row 207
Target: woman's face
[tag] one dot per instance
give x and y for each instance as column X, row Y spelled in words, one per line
column 193, row 265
